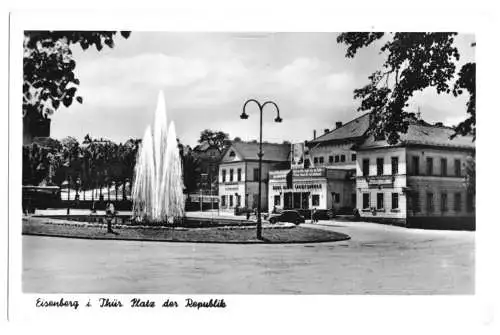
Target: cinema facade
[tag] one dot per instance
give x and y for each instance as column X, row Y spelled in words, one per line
column 320, row 188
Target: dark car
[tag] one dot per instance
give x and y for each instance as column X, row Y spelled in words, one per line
column 287, row 216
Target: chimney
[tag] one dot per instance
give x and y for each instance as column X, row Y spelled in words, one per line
column 338, row 125
column 327, row 130
column 314, row 134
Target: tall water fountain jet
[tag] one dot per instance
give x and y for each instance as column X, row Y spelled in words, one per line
column 157, row 191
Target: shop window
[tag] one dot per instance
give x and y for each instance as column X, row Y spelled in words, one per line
column 366, row 167
column 321, row 160
column 256, row 174
column 394, row 165
column 353, row 157
column 366, row 200
column 457, row 206
column 430, row 166
column 416, row 165
column 223, row 201
column 395, row 201
column 315, row 200
column 277, row 200
column 330, row 159
column 458, row 168
column 230, row 201
column 342, row 158
column 231, row 172
column 444, row 167
column 239, row 174
column 380, row 200
column 337, row 158
column 470, row 202
column 430, row 202
column 223, row 176
column 380, row 166
column 444, row 202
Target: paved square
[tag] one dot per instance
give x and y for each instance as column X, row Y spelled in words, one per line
column 378, row 259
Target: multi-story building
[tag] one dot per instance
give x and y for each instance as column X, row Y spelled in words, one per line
column 327, row 181
column 418, row 182
column 239, row 173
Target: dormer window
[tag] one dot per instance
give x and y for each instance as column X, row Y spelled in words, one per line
column 232, row 154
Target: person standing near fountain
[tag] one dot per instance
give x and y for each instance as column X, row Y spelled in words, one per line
column 110, row 214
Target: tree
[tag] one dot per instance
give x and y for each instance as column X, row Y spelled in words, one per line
column 48, row 68
column 217, row 139
column 414, row 62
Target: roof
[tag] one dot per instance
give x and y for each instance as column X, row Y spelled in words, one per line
column 272, row 151
column 204, row 146
column 352, row 129
column 424, row 134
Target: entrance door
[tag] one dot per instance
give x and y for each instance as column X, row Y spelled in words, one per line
column 305, row 200
column 288, row 200
column 296, row 200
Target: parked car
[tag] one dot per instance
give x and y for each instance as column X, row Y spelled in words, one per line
column 287, row 216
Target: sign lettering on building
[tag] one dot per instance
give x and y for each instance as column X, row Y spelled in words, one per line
column 298, row 173
column 298, row 187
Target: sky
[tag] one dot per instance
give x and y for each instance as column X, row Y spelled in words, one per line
column 207, row 77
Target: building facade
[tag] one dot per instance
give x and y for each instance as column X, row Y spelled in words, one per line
column 239, row 173
column 418, row 182
column 328, row 178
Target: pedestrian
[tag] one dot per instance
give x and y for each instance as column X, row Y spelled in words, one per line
column 110, row 213
column 314, row 216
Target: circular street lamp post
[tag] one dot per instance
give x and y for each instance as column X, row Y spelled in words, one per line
column 278, row 119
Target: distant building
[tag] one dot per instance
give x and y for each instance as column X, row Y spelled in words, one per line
column 419, row 182
column 35, row 126
column 208, row 157
column 239, row 173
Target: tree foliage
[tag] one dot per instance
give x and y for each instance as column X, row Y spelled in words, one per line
column 414, row 61
column 48, row 67
column 217, row 139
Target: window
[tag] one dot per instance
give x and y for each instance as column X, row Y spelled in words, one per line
column 429, row 166
column 366, row 167
column 330, row 159
column 430, row 202
column 256, row 174
column 444, row 202
column 444, row 167
column 336, row 158
column 239, row 174
column 416, row 202
column 380, row 200
column 380, row 166
column 321, row 160
column 223, row 201
column 238, row 200
column 366, row 200
column 470, row 202
column 315, row 200
column 457, row 206
column 315, row 160
column 277, row 200
column 223, row 176
column 458, row 168
column 394, row 165
column 336, row 197
column 342, row 158
column 353, row 157
column 231, row 172
column 307, row 163
column 232, row 154
column 416, row 165
column 395, row 201
column 230, row 201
